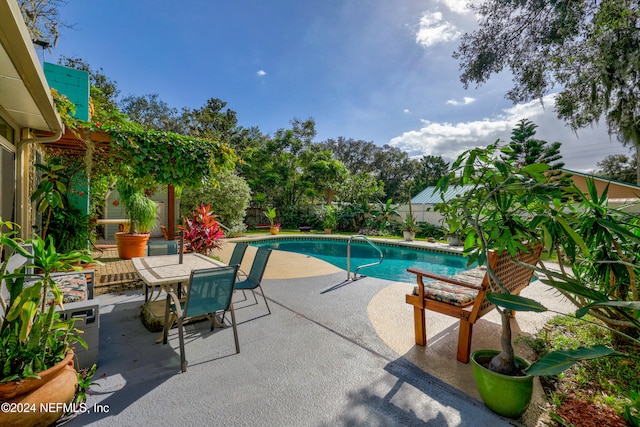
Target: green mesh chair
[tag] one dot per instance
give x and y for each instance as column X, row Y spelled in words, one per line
column 255, row 275
column 237, row 255
column 157, row 248
column 210, row 291
column 162, row 247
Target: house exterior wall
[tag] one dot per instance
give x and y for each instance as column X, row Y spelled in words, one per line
column 621, row 195
column 422, row 213
column 26, row 104
column 616, row 190
column 72, row 83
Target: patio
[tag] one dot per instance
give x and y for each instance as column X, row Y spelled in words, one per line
column 331, row 353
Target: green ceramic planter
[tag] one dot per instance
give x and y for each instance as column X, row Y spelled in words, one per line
column 505, row 395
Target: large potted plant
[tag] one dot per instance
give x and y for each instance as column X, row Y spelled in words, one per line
column 507, row 207
column 141, row 213
column 35, row 344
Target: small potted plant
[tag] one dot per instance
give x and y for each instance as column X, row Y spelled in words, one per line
column 36, row 345
column 141, row 213
column 270, row 213
column 409, row 228
column 330, row 219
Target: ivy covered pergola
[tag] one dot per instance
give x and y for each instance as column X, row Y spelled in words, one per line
column 147, row 157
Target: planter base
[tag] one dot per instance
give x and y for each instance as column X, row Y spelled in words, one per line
column 409, row 235
column 132, row 245
column 52, row 392
column 505, row 395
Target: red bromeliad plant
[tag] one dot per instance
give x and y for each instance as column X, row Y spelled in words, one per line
column 202, row 233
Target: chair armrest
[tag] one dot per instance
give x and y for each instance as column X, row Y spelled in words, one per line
column 424, row 273
column 173, row 300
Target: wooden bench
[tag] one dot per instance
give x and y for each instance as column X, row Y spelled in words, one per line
column 463, row 295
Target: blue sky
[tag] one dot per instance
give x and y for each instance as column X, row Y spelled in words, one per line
column 375, row 70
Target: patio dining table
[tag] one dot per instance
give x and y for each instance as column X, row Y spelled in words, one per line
column 166, row 271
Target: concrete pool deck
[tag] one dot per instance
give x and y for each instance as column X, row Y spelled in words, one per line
column 332, row 353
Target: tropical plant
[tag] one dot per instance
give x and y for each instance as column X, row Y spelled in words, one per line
column 270, row 213
column 353, row 217
column 202, row 233
column 613, row 266
column 506, row 207
column 50, row 193
column 511, row 206
column 603, row 284
column 69, row 229
column 139, row 209
column 410, row 223
column 32, row 335
column 330, row 217
column 382, row 215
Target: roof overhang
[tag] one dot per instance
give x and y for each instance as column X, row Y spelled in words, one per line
column 24, row 93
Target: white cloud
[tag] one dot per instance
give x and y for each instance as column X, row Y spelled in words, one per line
column 261, row 73
column 580, row 152
column 467, row 100
column 457, row 6
column 406, row 110
column 433, row 30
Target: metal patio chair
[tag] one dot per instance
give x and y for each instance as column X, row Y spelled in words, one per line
column 162, row 247
column 255, row 275
column 210, row 292
column 237, row 255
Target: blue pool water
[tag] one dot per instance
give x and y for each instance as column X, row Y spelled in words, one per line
column 394, row 265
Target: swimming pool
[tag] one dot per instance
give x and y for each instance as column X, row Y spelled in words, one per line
column 394, row 265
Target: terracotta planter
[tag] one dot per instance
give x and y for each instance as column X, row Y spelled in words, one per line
column 327, row 231
column 55, row 389
column 274, row 230
column 503, row 394
column 132, row 245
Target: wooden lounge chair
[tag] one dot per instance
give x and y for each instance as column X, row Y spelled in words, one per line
column 463, row 295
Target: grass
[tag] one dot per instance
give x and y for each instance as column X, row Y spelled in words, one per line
column 609, row 381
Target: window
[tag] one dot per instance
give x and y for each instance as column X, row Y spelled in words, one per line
column 7, row 172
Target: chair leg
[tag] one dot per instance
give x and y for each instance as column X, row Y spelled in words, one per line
column 235, row 328
column 419, row 325
column 183, row 360
column 166, row 327
column 464, row 341
column 265, row 298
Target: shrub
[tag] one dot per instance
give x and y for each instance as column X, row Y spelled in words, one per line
column 229, row 200
column 430, row 230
